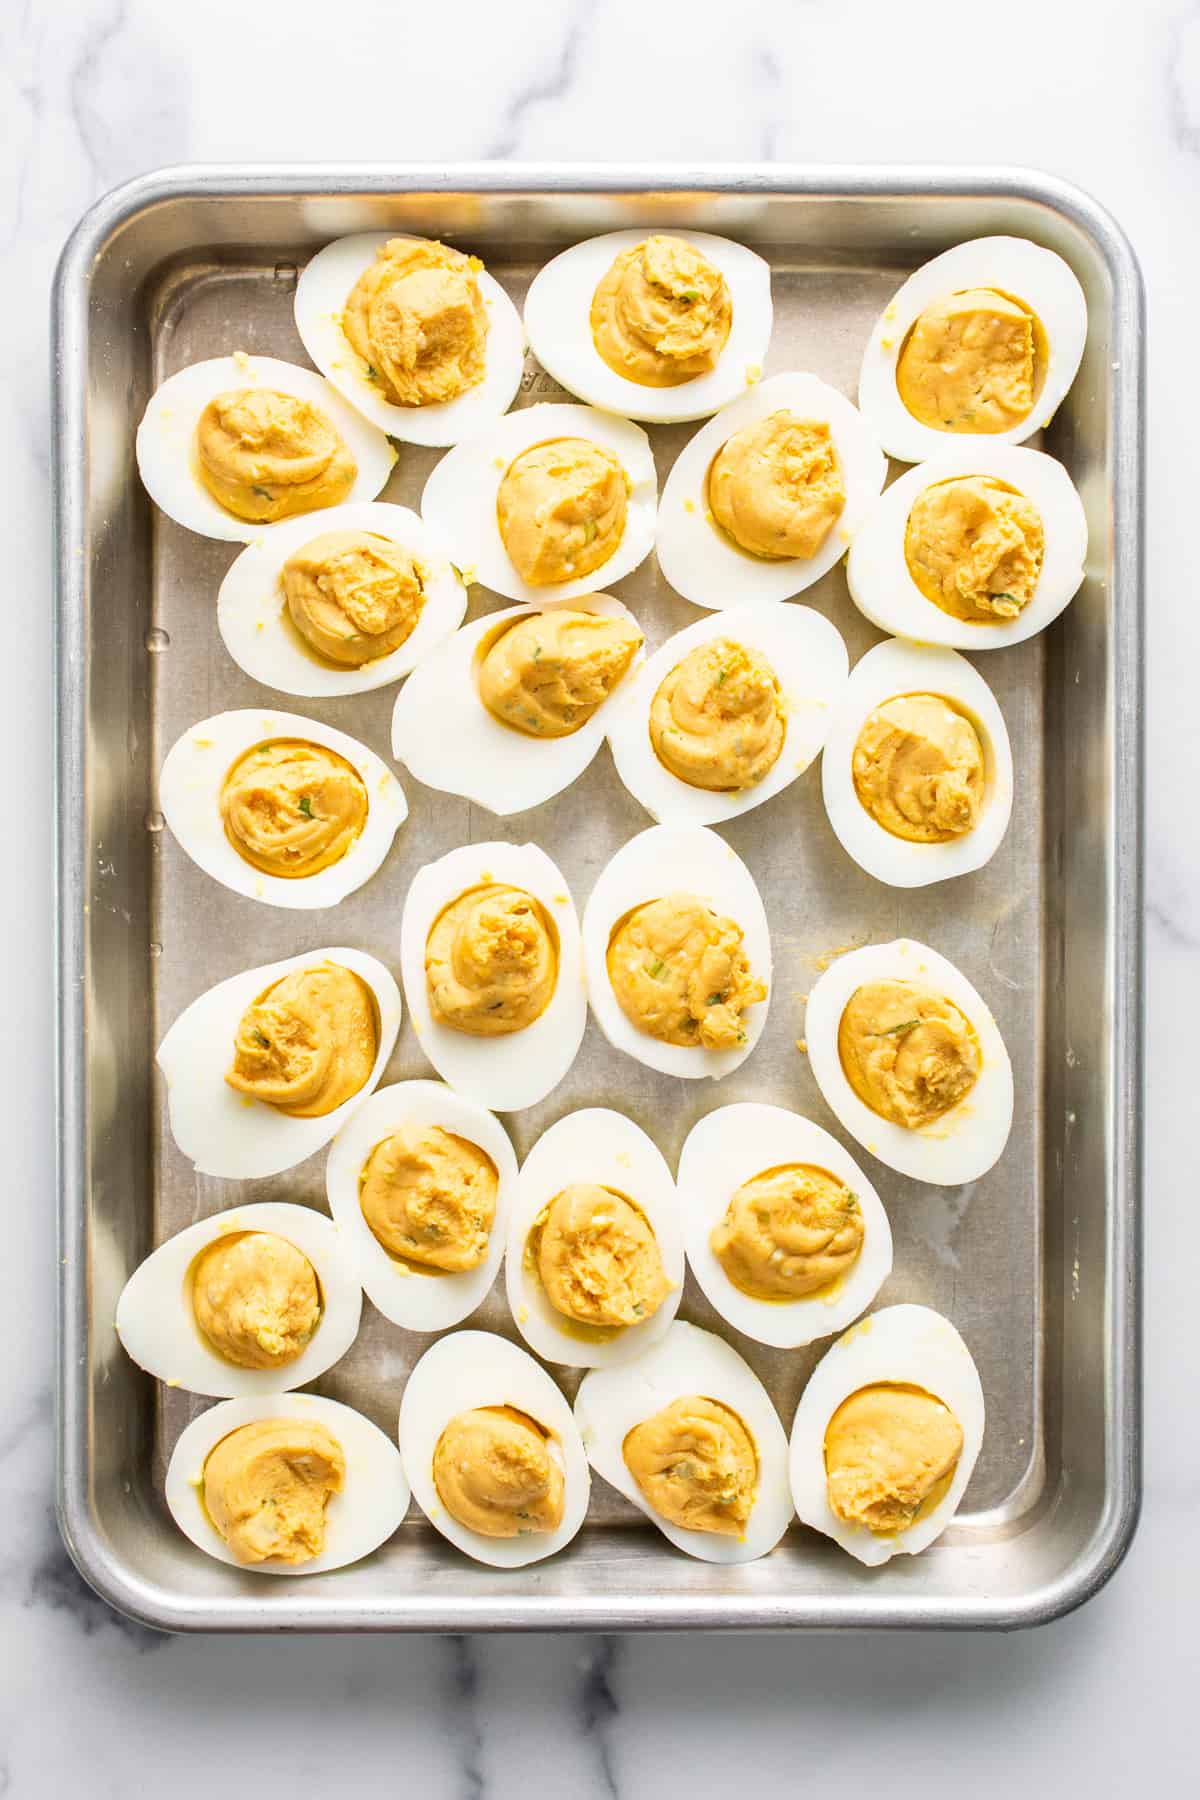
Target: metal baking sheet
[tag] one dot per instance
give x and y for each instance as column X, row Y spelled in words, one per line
column 1036, row 1263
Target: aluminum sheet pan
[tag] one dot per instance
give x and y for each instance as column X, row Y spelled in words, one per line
column 1037, row 1263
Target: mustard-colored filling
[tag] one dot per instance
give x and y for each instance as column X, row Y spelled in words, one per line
column 789, row 1232
column 973, row 362
column 308, row 1043
column 975, row 548
column 908, row 1053
column 255, row 1299
column 597, row 1258
column 491, row 961
column 429, row 1198
column 265, row 455
column 353, row 596
column 919, row 769
column 267, row 1485
column 776, row 486
column 548, row 674
column 561, row 509
column 717, row 720
column 417, row 319
column 680, row 973
column 662, row 313
column 291, row 808
column 494, row 1473
column 890, row 1456
column 696, row 1464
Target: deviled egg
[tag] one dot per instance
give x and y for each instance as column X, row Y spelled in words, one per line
column 553, row 501
column 416, row 334
column 728, row 712
column 492, row 1451
column 280, row 808
column 513, row 708
column 689, row 1434
column 768, row 496
column 979, row 548
column 493, row 970
column 265, row 1067
column 350, row 602
column 887, row 1434
column 421, row 1183
column 230, row 446
column 247, row 1302
column 286, row 1484
column 678, row 952
column 982, row 342
column 917, row 773
column 784, row 1233
column 594, row 1269
column 911, row 1061
column 658, row 326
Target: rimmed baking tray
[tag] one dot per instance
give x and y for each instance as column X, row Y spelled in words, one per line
column 1038, row 1264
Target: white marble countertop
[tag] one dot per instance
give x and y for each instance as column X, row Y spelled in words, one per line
column 1108, row 94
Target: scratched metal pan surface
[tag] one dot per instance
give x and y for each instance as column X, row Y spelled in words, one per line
column 1037, row 1263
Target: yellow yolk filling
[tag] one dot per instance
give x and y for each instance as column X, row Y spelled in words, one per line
column 255, row 1299
column 418, row 321
column 696, row 1465
column 264, row 455
column 789, row 1232
column 717, row 720
column 973, row 362
column 561, row 509
column 890, row 1456
column 597, row 1258
column 494, row 1473
column 908, row 1053
column 308, row 1043
column 547, row 674
column 267, row 1485
column 919, row 770
column 491, row 962
column 662, row 313
column 681, row 975
column 353, row 596
column 429, row 1198
column 775, row 487
column 975, row 548
column 291, row 808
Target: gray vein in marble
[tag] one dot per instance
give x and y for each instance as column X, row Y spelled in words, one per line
column 55, row 1585
column 546, row 84
column 1183, row 58
column 597, row 1706
column 769, row 90
column 464, row 1697
column 35, row 1414
column 124, row 90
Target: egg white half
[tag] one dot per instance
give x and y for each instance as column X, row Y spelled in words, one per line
column 884, row 591
column 189, row 792
column 731, row 1146
column 705, row 565
column 401, row 1292
column 446, row 737
column 459, row 499
column 889, row 671
column 671, row 859
column 907, row 1345
column 363, row 1516
column 253, row 618
column 158, row 1329
column 688, row 1360
column 165, row 444
column 558, row 314
column 472, row 1369
column 606, row 1148
column 322, row 291
column 964, row 1143
column 810, row 663
column 519, row 1068
column 1036, row 278
column 230, row 1134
